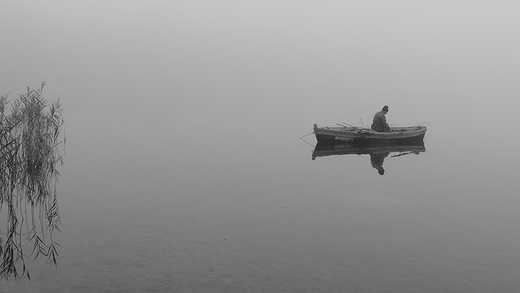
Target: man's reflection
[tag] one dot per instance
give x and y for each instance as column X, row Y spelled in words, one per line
column 377, row 161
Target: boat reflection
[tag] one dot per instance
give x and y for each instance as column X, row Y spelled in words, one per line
column 377, row 151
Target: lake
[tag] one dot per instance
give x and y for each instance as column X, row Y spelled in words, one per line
column 185, row 167
column 244, row 208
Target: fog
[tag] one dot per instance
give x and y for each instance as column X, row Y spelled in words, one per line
column 183, row 124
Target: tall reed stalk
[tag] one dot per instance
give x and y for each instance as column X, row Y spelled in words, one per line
column 29, row 141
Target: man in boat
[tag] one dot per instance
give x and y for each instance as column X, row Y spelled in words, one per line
column 379, row 122
column 377, row 160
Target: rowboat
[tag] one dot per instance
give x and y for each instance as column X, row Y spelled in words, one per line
column 350, row 148
column 348, row 133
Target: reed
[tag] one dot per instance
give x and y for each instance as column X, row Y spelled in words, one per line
column 29, row 154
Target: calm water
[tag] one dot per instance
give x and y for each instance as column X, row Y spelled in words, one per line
column 245, row 209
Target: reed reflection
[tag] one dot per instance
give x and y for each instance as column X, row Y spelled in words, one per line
column 29, row 141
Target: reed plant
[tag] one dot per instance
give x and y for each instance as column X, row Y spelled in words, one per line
column 30, row 140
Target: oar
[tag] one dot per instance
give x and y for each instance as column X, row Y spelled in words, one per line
column 345, row 124
column 402, row 154
column 348, row 125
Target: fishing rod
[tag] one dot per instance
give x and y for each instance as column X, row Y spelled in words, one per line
column 420, row 124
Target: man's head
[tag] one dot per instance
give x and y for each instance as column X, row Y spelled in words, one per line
column 385, row 109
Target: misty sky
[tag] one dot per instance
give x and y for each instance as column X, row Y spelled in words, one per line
column 158, row 65
column 195, row 109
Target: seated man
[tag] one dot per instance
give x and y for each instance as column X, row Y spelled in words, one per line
column 379, row 122
column 377, row 161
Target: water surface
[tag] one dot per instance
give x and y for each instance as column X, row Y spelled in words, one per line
column 258, row 215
